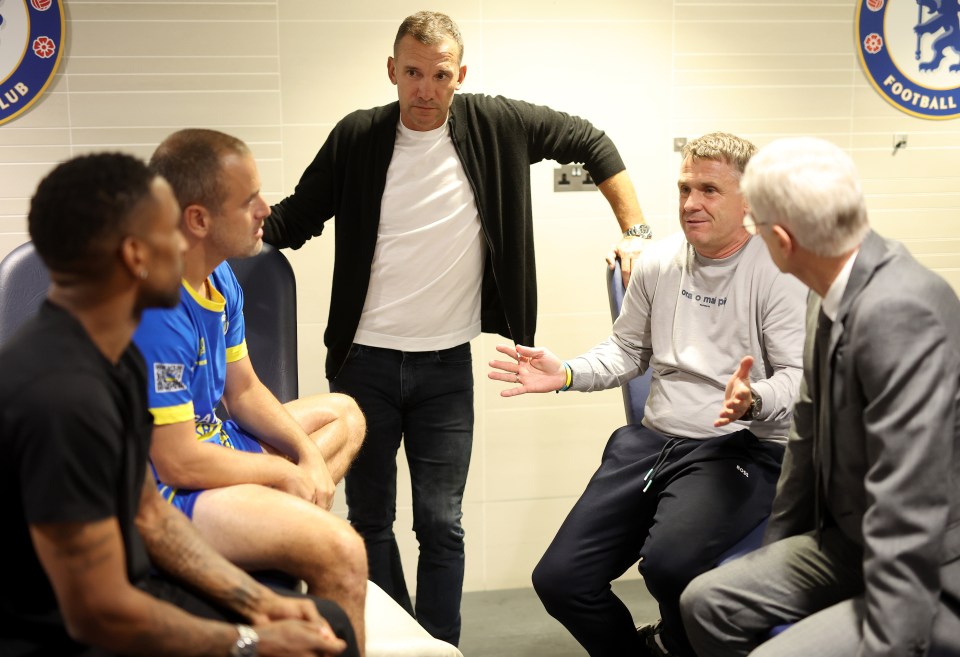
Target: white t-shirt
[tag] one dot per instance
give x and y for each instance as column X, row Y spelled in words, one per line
column 425, row 279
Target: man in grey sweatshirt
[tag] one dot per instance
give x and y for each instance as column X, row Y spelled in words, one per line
column 679, row 490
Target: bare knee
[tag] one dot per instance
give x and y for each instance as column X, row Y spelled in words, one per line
column 346, row 555
column 354, row 422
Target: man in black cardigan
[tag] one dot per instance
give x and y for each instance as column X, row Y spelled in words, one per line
column 434, row 245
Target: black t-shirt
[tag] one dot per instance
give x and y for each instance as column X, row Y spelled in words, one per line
column 74, row 442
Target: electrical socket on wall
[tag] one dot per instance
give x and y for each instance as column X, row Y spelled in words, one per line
column 572, row 178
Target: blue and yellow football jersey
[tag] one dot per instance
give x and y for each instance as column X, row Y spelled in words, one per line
column 187, row 349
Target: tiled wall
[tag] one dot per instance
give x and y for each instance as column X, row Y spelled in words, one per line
column 280, row 73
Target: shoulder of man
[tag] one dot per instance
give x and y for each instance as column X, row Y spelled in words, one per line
column 658, row 257
column 897, row 277
column 492, row 107
column 664, row 251
column 50, row 349
column 364, row 120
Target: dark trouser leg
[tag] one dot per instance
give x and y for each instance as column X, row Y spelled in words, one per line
column 598, row 541
column 710, row 495
column 372, row 377
column 189, row 601
column 438, row 439
column 729, row 611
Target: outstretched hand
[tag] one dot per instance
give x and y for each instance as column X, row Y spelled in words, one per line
column 737, row 398
column 535, row 370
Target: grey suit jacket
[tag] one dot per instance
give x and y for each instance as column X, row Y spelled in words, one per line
column 891, row 455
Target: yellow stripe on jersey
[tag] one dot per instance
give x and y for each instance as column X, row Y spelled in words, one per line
column 216, row 303
column 173, row 414
column 237, row 353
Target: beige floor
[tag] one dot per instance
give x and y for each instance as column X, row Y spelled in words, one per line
column 513, row 623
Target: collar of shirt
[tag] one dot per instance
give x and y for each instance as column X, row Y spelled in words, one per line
column 831, row 302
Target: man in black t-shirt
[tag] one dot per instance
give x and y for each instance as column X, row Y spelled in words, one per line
column 100, row 564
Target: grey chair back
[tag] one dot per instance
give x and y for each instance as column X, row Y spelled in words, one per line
column 636, row 390
column 270, row 316
column 23, row 286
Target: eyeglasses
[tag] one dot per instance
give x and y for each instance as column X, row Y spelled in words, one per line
column 750, row 225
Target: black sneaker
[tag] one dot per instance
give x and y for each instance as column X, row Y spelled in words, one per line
column 648, row 630
column 650, row 635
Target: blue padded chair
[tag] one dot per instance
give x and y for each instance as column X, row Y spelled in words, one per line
column 636, row 390
column 23, row 286
column 270, row 317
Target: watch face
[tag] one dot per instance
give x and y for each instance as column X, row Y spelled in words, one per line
column 246, row 645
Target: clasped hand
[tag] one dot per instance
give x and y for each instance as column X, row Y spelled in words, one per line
column 291, row 626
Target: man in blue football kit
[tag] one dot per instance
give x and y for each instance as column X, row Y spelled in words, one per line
column 259, row 486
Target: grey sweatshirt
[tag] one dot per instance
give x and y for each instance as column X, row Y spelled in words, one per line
column 692, row 319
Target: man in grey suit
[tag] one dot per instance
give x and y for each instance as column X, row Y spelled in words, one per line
column 862, row 552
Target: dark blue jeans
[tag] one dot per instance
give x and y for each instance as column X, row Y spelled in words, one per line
column 425, row 400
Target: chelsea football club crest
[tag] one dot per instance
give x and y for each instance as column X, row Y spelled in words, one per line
column 31, row 45
column 910, row 51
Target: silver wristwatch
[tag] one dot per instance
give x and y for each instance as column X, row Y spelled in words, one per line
column 246, row 645
column 639, row 230
column 756, row 405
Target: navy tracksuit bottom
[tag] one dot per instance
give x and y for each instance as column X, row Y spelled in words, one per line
column 674, row 504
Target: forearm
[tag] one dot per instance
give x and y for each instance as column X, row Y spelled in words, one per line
column 139, row 625
column 301, row 216
column 620, row 194
column 289, row 225
column 779, row 393
column 610, row 364
column 189, row 464
column 260, row 413
column 176, row 548
column 86, row 566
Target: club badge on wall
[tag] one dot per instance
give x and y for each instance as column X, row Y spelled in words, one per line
column 910, row 51
column 31, row 45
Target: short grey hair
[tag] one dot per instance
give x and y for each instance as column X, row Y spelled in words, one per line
column 810, row 187
column 429, row 28
column 721, row 147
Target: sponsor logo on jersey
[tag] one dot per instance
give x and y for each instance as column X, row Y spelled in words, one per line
column 168, row 377
column 31, row 45
column 910, row 52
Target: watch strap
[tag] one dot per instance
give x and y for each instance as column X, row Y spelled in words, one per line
column 639, row 230
column 756, row 406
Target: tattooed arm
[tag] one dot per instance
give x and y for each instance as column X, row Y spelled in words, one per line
column 86, row 566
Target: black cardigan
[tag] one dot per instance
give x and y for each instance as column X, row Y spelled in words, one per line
column 497, row 139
